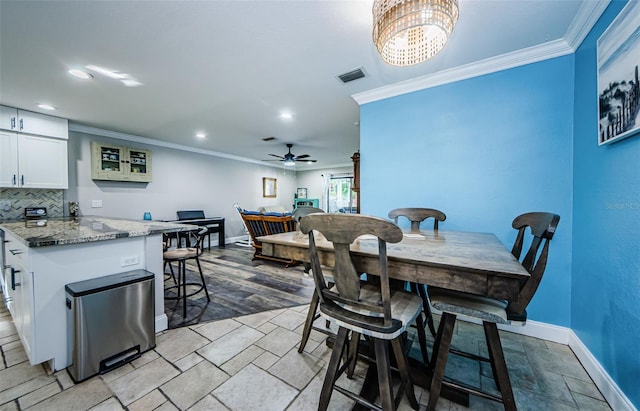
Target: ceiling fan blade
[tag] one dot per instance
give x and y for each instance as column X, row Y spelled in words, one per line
column 302, row 156
column 275, row 155
column 272, row 160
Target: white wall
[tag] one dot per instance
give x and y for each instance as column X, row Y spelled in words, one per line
column 182, row 180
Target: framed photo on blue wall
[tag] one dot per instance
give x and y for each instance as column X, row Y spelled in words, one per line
column 618, row 52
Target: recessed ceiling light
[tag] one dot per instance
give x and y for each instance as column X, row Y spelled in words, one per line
column 131, row 83
column 286, row 115
column 80, row 74
column 106, row 72
column 201, row 135
column 46, row 106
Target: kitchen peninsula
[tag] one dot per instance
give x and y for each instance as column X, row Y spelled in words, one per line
column 42, row 256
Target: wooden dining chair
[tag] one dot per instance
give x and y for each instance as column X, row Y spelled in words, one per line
column 370, row 309
column 181, row 255
column 492, row 311
column 416, row 216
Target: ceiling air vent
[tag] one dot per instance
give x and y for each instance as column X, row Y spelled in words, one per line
column 352, row 75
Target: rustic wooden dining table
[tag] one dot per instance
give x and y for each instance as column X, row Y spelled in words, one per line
column 465, row 261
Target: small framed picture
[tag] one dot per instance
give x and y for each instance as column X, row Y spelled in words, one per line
column 269, row 187
column 302, row 193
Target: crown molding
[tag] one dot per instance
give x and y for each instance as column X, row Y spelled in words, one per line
column 583, row 22
column 153, row 142
column 506, row 61
column 585, row 19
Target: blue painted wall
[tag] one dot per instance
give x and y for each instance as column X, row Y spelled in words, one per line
column 489, row 148
column 483, row 150
column 606, row 237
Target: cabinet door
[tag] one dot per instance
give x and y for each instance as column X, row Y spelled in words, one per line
column 8, row 118
column 138, row 165
column 8, row 159
column 42, row 125
column 107, row 162
column 23, row 307
column 42, row 162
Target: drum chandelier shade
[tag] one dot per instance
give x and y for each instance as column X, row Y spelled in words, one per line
column 408, row 32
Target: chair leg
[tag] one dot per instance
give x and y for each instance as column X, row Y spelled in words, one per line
column 384, row 374
column 332, row 369
column 498, row 365
column 164, row 269
column 439, row 357
column 406, row 384
column 182, row 273
column 422, row 338
column 352, row 354
column 204, row 284
column 421, row 290
column 308, row 323
column 174, row 276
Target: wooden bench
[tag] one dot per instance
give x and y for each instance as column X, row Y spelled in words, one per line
column 267, row 224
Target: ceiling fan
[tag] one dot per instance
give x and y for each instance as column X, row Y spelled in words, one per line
column 290, row 159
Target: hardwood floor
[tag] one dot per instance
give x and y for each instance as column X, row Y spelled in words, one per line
column 238, row 286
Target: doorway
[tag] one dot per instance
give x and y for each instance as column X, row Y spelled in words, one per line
column 340, row 196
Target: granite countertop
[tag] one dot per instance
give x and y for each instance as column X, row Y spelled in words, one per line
column 75, row 230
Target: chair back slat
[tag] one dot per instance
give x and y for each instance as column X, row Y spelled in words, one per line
column 417, row 215
column 255, row 225
column 342, row 230
column 542, row 227
column 200, row 236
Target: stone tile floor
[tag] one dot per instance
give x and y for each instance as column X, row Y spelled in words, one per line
column 251, row 363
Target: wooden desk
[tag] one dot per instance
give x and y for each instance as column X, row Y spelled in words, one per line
column 473, row 262
column 214, row 224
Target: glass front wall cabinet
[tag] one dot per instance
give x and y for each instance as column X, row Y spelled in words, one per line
column 119, row 163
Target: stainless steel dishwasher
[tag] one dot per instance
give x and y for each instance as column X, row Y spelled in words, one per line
column 110, row 321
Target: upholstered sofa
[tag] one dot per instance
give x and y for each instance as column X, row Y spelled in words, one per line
column 259, row 224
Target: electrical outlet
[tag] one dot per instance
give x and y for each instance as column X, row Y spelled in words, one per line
column 127, row 261
column 5, row 205
column 96, row 203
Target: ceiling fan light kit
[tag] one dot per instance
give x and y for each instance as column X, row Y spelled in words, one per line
column 289, row 159
column 408, row 32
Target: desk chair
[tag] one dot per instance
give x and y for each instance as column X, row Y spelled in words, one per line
column 416, row 216
column 492, row 311
column 181, row 255
column 372, row 310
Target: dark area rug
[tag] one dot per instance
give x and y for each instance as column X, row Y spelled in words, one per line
column 237, row 286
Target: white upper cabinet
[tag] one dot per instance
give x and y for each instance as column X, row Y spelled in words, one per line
column 33, row 150
column 28, row 161
column 28, row 122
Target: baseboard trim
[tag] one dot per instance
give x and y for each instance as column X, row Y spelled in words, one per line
column 609, row 389
column 162, row 322
column 563, row 335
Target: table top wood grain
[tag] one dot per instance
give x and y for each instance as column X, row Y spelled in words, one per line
column 466, row 261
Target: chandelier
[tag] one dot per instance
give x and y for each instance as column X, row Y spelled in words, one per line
column 408, row 32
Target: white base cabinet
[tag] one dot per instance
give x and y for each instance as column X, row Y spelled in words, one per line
column 29, row 161
column 37, row 295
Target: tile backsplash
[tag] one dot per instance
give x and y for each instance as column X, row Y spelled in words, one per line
column 22, row 197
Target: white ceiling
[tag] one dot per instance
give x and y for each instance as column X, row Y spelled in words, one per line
column 228, row 68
